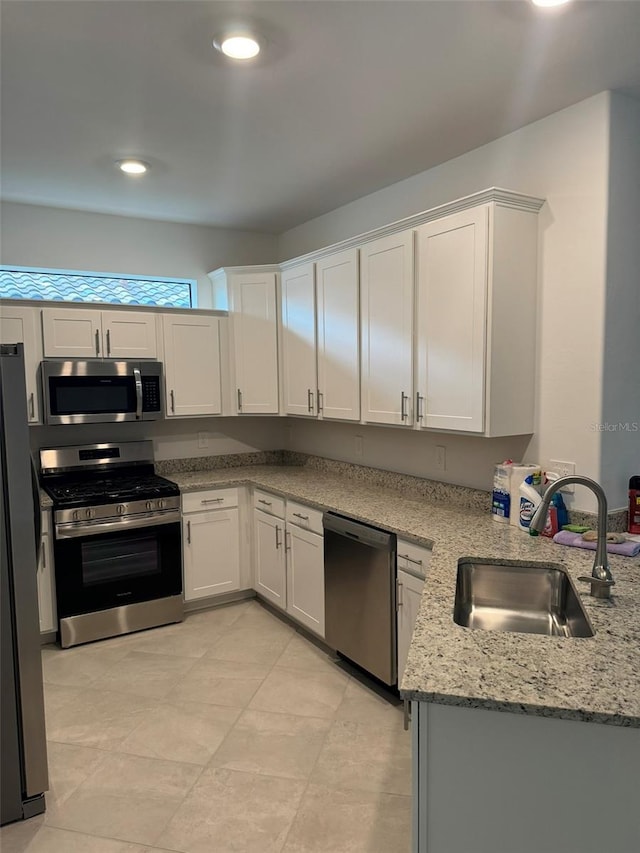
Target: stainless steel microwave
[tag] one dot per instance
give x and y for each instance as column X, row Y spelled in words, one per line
column 95, row 392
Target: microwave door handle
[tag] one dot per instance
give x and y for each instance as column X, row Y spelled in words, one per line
column 138, row 380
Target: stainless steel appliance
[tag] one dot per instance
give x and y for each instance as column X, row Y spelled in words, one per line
column 91, row 392
column 360, row 594
column 24, row 747
column 117, row 540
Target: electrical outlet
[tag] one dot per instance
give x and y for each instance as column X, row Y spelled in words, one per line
column 359, row 448
column 441, row 457
column 563, row 469
column 203, row 440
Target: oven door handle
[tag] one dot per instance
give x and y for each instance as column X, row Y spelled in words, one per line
column 138, row 381
column 95, row 528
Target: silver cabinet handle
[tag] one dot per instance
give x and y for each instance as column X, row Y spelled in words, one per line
column 173, row 401
column 44, row 557
column 419, row 413
column 108, row 342
column 212, row 501
column 410, row 559
column 403, row 410
column 239, row 400
column 262, row 501
column 278, row 543
column 287, row 547
column 32, row 407
column 303, row 517
column 188, row 533
column 97, row 342
column 309, row 400
column 399, row 601
column 320, row 401
column 138, row 381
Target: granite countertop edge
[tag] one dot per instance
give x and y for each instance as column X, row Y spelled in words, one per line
column 595, row 680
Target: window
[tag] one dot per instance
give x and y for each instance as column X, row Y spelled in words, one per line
column 75, row 286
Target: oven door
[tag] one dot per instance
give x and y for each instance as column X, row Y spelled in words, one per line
column 96, row 571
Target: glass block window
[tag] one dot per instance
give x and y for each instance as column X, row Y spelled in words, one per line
column 75, row 286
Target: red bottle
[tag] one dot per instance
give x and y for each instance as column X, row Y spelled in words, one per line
column 634, row 504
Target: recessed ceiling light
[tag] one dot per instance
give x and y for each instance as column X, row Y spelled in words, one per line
column 132, row 167
column 549, row 3
column 237, row 45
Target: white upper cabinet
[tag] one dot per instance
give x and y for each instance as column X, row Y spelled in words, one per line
column 21, row 325
column 299, row 340
column 192, row 365
column 91, row 333
column 254, row 325
column 338, row 336
column 386, row 318
column 476, row 327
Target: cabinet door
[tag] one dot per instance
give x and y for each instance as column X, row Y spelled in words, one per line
column 192, row 365
column 338, row 336
column 299, row 340
column 255, row 342
column 452, row 296
column 72, row 333
column 269, row 553
column 46, row 587
column 305, row 578
column 129, row 334
column 386, row 292
column 409, row 595
column 211, row 553
column 22, row 326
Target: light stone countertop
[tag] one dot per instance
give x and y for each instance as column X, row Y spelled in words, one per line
column 592, row 679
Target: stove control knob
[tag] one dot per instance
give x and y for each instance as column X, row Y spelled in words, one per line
column 162, row 503
column 90, row 513
column 149, row 505
column 120, row 509
column 76, row 514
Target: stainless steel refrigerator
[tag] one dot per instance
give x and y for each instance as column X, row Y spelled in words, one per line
column 23, row 768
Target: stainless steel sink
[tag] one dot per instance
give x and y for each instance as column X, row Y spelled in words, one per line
column 522, row 597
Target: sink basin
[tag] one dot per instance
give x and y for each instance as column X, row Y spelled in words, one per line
column 522, row 597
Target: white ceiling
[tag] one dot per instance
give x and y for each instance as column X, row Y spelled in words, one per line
column 349, row 97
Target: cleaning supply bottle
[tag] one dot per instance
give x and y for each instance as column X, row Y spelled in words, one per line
column 530, row 500
column 634, row 505
column 501, row 494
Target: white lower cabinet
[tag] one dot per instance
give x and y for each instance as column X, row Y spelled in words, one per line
column 413, row 561
column 211, row 544
column 289, row 558
column 46, row 581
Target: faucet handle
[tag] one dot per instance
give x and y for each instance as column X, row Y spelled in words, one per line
column 599, row 588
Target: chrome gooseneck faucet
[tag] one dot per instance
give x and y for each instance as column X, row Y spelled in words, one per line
column 601, row 578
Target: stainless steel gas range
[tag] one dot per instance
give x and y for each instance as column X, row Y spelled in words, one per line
column 117, row 540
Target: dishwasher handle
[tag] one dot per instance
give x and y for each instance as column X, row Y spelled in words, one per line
column 362, row 533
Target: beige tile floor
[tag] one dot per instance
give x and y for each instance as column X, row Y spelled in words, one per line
column 230, row 732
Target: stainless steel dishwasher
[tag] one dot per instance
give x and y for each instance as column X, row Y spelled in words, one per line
column 360, row 594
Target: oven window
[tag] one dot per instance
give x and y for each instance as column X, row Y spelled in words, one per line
column 107, row 560
column 85, row 394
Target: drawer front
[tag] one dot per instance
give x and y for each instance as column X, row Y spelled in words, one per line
column 305, row 517
column 413, row 558
column 209, row 499
column 268, row 503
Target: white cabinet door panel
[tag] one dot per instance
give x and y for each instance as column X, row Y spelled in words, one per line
column 299, row 340
column 129, row 334
column 46, row 587
column 270, row 566
column 255, row 342
column 20, row 325
column 211, row 553
column 452, row 298
column 305, row 578
column 192, row 365
column 386, row 276
column 72, row 333
column 338, row 336
column 409, row 596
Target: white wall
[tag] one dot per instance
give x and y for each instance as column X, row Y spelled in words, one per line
column 620, row 416
column 564, row 159
column 71, row 239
